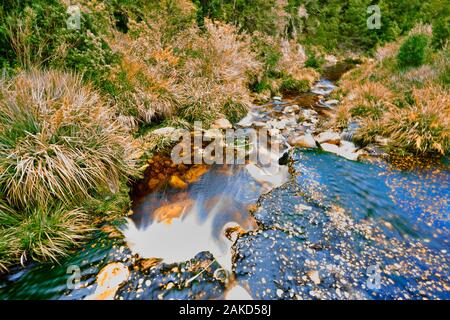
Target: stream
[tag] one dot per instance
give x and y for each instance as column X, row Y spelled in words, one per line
column 318, row 225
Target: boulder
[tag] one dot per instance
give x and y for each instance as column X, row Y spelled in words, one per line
column 221, row 123
column 246, row 121
column 345, row 151
column 329, row 137
column 332, row 102
column 303, row 141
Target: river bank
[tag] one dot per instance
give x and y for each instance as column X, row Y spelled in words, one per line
column 339, row 228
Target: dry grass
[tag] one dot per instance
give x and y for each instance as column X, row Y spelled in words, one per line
column 422, row 127
column 57, row 141
column 411, row 108
column 40, row 234
column 195, row 75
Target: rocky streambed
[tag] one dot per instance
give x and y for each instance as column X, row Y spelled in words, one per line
column 329, row 220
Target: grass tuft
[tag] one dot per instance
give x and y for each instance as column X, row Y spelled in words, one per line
column 57, row 140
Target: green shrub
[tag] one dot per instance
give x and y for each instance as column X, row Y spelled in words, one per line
column 312, row 62
column 413, row 52
column 35, row 33
column 441, row 33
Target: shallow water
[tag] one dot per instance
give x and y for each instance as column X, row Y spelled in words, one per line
column 328, row 225
column 407, row 210
column 175, row 225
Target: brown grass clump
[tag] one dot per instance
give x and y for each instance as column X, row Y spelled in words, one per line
column 57, row 141
column 423, row 126
column 411, row 108
column 195, row 75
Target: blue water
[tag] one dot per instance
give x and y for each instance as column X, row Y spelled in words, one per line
column 408, row 209
column 415, row 202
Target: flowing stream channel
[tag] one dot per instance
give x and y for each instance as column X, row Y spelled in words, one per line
column 316, row 225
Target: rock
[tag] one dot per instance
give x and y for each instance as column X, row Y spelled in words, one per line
column 166, row 131
column 176, row 182
column 281, row 124
column 314, row 276
column 344, row 151
column 292, row 108
column 260, row 124
column 374, row 150
column 246, row 121
column 304, row 141
column 332, row 102
column 348, row 150
column 328, row 137
column 328, row 147
column 195, row 172
column 109, row 280
column 381, row 141
column 330, row 60
column 221, row 123
column 276, row 98
column 274, row 132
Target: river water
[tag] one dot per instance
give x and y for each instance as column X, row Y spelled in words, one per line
column 318, row 227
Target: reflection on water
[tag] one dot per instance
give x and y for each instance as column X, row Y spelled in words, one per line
column 324, row 255
column 175, row 224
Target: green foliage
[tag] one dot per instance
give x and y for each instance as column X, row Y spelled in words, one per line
column 441, row 33
column 249, row 15
column 366, row 111
column 413, row 51
column 40, row 234
column 332, row 24
column 312, row 62
column 35, row 33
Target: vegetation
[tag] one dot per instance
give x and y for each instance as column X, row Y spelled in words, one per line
column 401, row 96
column 77, row 105
column 413, row 51
column 59, row 146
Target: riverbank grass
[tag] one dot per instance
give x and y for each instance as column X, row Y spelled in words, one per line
column 401, row 96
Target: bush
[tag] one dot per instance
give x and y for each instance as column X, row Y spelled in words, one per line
column 413, row 52
column 419, row 128
column 441, row 33
column 293, row 86
column 57, row 141
column 195, row 76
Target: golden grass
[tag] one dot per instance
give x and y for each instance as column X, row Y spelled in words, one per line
column 195, row 75
column 423, row 126
column 58, row 140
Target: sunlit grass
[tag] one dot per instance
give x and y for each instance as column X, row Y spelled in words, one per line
column 57, row 140
column 41, row 234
